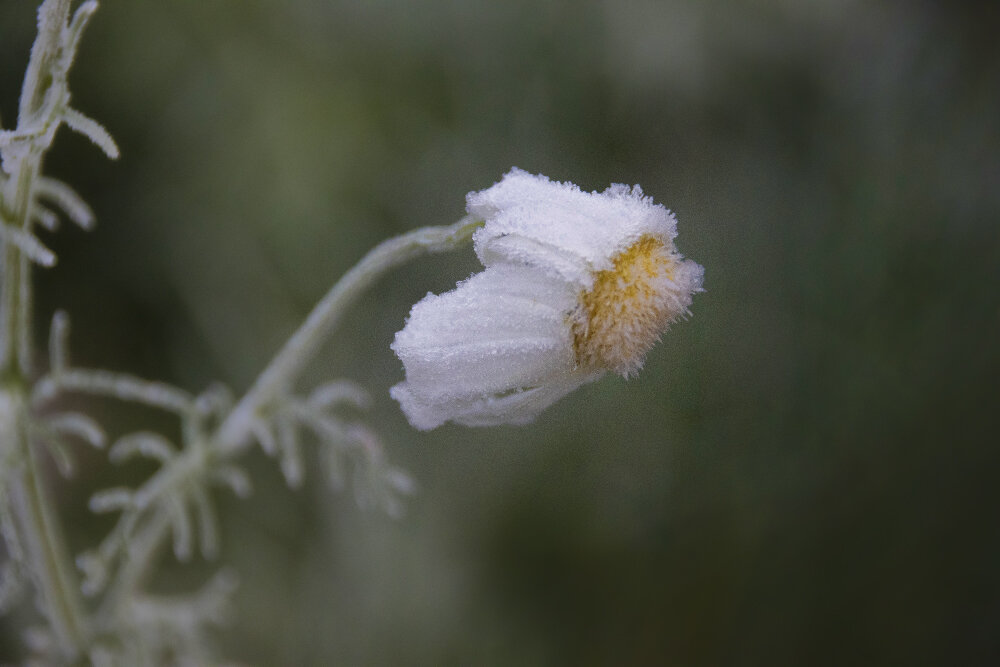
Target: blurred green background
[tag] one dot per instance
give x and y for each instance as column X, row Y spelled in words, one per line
column 804, row 473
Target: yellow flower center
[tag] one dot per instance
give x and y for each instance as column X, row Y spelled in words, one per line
column 627, row 309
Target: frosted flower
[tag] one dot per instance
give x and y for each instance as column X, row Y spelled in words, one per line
column 575, row 284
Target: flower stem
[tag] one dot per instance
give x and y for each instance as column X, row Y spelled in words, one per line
column 41, row 537
column 15, row 300
column 234, row 433
column 36, row 524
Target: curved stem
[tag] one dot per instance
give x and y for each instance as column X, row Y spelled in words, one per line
column 234, row 433
column 15, row 302
column 40, row 534
column 36, row 523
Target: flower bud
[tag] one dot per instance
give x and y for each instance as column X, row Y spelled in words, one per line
column 575, row 284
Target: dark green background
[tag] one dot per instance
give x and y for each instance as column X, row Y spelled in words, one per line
column 804, row 473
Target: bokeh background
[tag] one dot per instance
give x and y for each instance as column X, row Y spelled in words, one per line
column 804, row 473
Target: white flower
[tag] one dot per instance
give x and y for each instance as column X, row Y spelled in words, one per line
column 575, row 284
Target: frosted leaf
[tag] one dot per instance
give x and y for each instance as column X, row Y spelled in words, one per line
column 73, row 32
column 58, row 347
column 393, row 483
column 95, row 572
column 235, row 478
column 217, row 400
column 60, row 454
column 78, row 425
column 400, row 481
column 28, row 244
column 262, row 433
column 356, row 447
column 50, row 431
column 208, row 531
column 93, row 130
column 171, row 629
column 392, row 506
column 327, row 428
column 66, row 199
column 157, row 488
column 181, row 524
column 291, row 453
column 214, row 600
column 376, row 484
column 52, row 16
column 334, row 393
column 144, row 443
column 112, row 500
column 45, row 217
column 117, row 385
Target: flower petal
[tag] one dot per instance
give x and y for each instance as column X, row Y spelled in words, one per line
column 501, row 330
column 558, row 227
column 517, row 407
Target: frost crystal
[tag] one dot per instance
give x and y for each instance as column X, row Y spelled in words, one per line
column 575, row 284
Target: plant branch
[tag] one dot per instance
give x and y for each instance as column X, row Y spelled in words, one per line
column 236, row 431
column 46, row 555
column 35, row 522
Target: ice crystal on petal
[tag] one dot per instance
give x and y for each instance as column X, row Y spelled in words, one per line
column 561, row 229
column 501, row 329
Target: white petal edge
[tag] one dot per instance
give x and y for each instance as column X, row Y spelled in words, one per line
column 560, row 228
column 503, row 329
column 515, row 408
